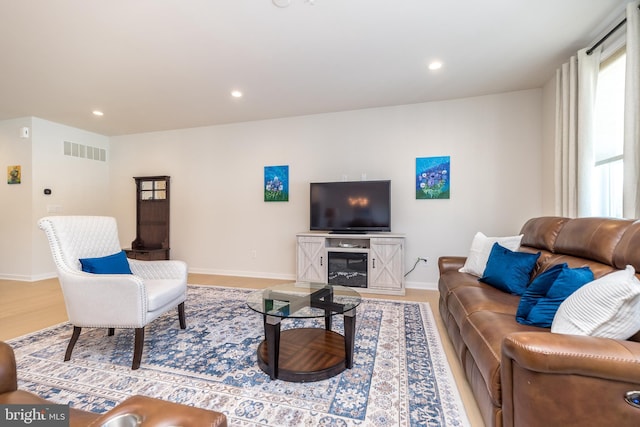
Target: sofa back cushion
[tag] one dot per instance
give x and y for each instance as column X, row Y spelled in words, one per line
column 591, row 238
column 541, row 233
column 599, row 269
column 628, row 250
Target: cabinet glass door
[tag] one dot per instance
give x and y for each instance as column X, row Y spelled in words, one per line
column 153, row 190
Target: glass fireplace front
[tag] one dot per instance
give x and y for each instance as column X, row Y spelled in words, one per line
column 348, row 269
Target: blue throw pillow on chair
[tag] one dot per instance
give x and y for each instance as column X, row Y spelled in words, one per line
column 110, row 264
column 540, row 302
column 509, row 271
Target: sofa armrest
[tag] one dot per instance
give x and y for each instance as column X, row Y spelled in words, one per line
column 449, row 263
column 591, row 356
column 160, row 413
column 8, row 371
column 556, row 379
column 87, row 309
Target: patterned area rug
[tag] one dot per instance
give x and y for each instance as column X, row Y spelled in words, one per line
column 400, row 376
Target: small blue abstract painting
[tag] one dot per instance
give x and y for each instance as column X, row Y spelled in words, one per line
column 433, row 177
column 276, row 183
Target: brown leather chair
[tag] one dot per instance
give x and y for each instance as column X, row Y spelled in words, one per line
column 152, row 412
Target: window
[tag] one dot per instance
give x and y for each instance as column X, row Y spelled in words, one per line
column 609, row 137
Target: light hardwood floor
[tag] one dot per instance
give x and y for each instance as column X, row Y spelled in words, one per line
column 29, row 306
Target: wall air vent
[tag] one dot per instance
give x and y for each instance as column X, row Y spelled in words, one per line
column 84, row 151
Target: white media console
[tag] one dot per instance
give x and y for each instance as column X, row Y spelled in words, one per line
column 372, row 262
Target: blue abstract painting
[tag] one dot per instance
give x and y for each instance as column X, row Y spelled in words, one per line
column 276, row 183
column 433, row 177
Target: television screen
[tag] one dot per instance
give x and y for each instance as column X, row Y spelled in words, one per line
column 352, row 206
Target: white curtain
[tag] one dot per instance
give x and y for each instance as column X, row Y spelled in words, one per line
column 631, row 157
column 575, row 101
column 566, row 156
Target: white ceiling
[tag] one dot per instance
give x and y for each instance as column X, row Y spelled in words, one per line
column 167, row 64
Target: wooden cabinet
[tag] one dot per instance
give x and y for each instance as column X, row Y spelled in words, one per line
column 152, row 219
column 323, row 256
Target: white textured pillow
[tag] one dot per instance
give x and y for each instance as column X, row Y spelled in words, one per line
column 608, row 307
column 481, row 248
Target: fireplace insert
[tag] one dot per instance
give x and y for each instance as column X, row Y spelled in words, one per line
column 348, row 269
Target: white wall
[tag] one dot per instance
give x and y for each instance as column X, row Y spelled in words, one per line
column 15, row 215
column 79, row 187
column 217, row 211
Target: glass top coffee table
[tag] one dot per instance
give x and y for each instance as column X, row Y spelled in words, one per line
column 305, row 354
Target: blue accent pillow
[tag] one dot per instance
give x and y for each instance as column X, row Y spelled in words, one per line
column 509, row 271
column 110, row 264
column 538, row 289
column 540, row 302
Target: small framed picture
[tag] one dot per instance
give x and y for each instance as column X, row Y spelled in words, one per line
column 433, row 177
column 276, row 183
column 14, row 174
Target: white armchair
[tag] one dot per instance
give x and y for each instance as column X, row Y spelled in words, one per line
column 111, row 300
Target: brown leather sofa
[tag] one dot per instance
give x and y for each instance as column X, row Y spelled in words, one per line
column 525, row 375
column 152, row 412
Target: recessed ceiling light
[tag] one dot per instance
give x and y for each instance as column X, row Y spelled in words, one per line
column 236, row 94
column 435, row 65
column 98, row 113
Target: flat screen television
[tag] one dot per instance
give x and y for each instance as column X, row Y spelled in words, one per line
column 350, row 206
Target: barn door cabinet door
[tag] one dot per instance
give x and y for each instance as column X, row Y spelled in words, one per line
column 312, row 259
column 386, row 264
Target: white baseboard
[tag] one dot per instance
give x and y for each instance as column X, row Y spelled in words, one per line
column 252, row 274
column 428, row 286
column 22, row 278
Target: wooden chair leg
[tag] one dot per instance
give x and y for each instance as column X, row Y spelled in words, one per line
column 111, row 332
column 137, row 348
column 183, row 322
column 72, row 342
